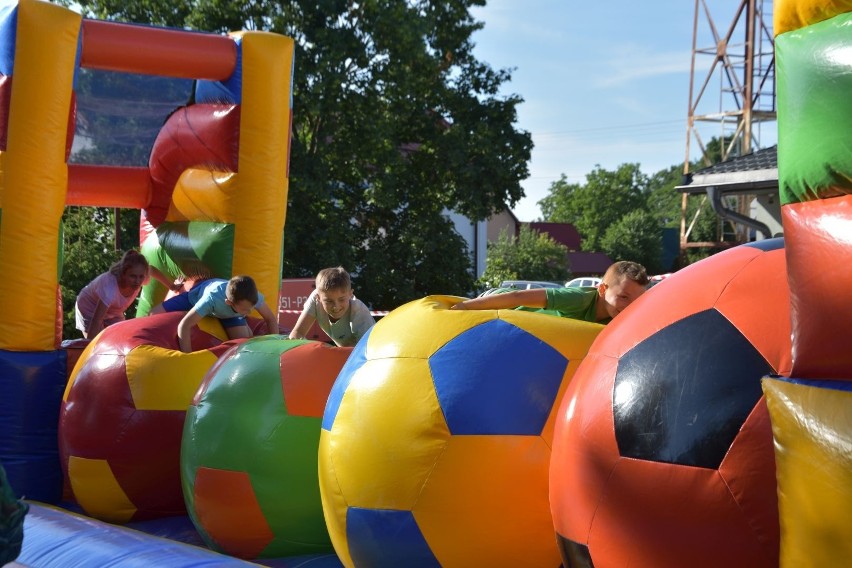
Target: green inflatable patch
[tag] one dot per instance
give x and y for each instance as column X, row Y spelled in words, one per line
column 814, row 81
column 186, row 248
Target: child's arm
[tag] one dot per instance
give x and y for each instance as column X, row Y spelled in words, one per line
column 96, row 324
column 184, row 328
column 535, row 298
column 303, row 325
column 268, row 317
column 172, row 285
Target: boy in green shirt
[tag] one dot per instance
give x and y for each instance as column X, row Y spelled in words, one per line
column 622, row 284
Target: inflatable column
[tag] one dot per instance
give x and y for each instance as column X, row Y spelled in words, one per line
column 812, row 418
column 38, row 42
column 814, row 79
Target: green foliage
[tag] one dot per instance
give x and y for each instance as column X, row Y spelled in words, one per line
column 622, row 212
column 395, row 122
column 529, row 256
column 637, row 237
column 592, row 207
column 662, row 201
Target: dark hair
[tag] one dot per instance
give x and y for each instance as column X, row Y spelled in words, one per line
column 333, row 279
column 129, row 259
column 241, row 288
column 622, row 269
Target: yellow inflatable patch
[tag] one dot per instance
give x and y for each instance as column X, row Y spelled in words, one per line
column 812, row 427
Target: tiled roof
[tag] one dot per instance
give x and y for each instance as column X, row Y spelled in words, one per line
column 753, row 173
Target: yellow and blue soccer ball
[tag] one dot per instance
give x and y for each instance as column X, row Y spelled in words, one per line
column 436, row 437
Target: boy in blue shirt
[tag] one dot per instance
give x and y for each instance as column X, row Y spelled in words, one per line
column 230, row 301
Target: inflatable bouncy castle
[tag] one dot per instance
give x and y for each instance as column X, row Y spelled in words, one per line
column 212, row 198
column 434, row 441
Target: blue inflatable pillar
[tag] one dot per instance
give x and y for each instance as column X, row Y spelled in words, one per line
column 31, row 388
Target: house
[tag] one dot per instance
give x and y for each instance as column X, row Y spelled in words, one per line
column 754, row 174
column 580, row 263
column 479, row 234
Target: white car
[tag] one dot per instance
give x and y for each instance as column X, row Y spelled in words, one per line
column 585, row 282
column 528, row 284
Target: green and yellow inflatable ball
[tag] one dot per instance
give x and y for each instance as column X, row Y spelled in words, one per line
column 249, row 449
column 436, row 439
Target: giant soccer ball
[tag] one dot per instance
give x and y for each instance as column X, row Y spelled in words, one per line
column 122, row 416
column 249, row 453
column 663, row 452
column 436, row 439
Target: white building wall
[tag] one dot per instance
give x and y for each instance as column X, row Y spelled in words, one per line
column 767, row 210
column 475, row 235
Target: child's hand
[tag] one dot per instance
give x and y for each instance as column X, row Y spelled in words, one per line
column 177, row 285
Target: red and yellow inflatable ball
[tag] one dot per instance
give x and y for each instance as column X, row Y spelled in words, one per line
column 436, row 438
column 249, row 454
column 122, row 416
column 663, row 451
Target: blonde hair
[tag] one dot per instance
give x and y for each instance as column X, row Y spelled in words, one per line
column 622, row 269
column 333, row 279
column 128, row 260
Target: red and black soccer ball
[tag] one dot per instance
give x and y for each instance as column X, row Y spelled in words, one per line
column 663, row 453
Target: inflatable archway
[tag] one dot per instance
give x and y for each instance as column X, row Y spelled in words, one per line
column 243, row 89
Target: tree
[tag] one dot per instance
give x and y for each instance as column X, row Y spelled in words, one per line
column 661, row 198
column 529, row 256
column 592, row 207
column 666, row 204
column 395, row 122
column 636, row 237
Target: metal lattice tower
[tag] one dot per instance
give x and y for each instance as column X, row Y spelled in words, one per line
column 742, row 64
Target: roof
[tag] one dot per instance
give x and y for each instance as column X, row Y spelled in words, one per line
column 563, row 233
column 755, row 173
column 588, row 263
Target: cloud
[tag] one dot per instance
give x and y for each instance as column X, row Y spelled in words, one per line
column 619, row 70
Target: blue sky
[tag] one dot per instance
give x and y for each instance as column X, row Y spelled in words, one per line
column 603, row 82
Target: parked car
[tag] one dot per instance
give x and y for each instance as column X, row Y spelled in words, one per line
column 528, row 284
column 585, row 281
column 654, row 280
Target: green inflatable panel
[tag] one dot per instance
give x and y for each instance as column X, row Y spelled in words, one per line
column 186, row 248
column 814, row 81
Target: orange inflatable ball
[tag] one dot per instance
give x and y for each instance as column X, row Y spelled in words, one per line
column 663, row 453
column 122, row 416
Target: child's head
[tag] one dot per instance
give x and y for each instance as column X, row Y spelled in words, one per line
column 334, row 289
column 130, row 270
column 241, row 294
column 623, row 282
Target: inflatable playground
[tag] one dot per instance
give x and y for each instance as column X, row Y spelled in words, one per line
column 709, row 425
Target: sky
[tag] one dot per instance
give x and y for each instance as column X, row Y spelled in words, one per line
column 605, row 82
